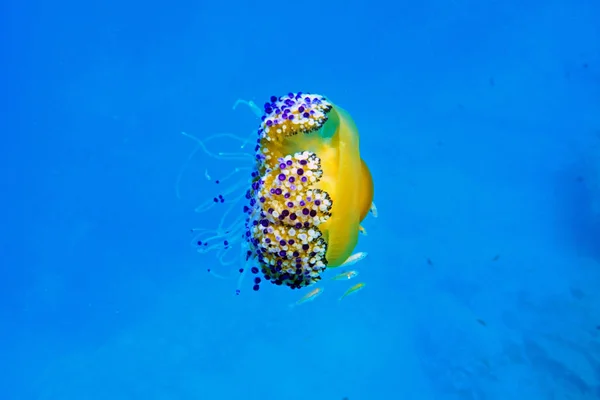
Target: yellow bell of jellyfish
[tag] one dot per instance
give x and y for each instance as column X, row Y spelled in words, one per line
column 309, row 192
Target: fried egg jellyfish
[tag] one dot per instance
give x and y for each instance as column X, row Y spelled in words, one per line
column 293, row 205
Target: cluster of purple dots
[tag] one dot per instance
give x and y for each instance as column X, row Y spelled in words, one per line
column 300, row 105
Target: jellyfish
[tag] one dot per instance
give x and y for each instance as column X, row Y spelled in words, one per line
column 298, row 209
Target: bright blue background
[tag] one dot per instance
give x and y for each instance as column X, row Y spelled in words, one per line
column 480, row 121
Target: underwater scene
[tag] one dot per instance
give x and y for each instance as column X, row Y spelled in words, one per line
column 291, row 201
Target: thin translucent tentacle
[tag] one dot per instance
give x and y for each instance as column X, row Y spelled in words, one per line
column 213, row 273
column 256, row 111
column 239, row 188
column 220, row 155
column 252, row 105
column 201, row 146
column 184, row 167
column 208, row 204
column 236, row 156
column 247, row 265
column 227, row 240
column 233, row 173
column 250, row 139
column 240, row 274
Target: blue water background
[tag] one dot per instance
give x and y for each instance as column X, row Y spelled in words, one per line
column 480, row 122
